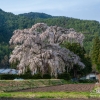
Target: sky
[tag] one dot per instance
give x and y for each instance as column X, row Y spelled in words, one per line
column 81, row 9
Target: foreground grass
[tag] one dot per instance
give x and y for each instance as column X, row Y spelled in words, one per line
column 12, row 85
column 45, row 95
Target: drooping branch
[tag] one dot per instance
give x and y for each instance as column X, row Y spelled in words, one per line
column 38, row 48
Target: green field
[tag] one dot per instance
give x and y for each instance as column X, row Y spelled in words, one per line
column 12, row 85
column 7, row 86
column 45, row 94
column 57, row 95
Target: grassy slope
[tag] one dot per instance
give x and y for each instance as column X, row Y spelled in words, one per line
column 10, row 85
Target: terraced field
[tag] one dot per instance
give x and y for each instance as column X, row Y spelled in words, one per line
column 14, row 85
column 36, row 88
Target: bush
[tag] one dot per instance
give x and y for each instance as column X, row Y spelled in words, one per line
column 8, row 76
column 65, row 76
column 37, row 76
column 87, row 81
column 29, row 76
column 46, row 76
column 24, row 76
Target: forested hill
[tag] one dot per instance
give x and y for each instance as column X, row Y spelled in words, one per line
column 9, row 22
column 36, row 15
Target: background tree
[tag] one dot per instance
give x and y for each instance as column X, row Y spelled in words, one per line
column 95, row 53
column 80, row 51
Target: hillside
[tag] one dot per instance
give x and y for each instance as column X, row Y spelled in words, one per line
column 10, row 22
column 36, row 15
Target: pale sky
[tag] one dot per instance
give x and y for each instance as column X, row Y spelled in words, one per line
column 82, row 9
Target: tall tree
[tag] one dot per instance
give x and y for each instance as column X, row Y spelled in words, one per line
column 38, row 49
column 95, row 53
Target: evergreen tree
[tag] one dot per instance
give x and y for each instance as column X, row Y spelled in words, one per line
column 80, row 51
column 95, row 53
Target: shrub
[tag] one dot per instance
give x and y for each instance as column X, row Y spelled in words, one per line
column 87, row 81
column 46, row 76
column 8, row 76
column 65, row 76
column 37, row 76
column 24, row 76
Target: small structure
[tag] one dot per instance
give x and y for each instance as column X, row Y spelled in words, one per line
column 8, row 71
column 92, row 76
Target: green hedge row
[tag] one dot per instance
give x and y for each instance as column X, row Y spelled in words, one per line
column 29, row 76
column 88, row 81
column 26, row 76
